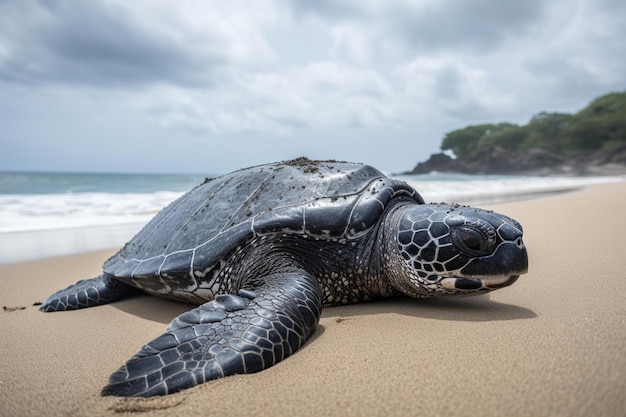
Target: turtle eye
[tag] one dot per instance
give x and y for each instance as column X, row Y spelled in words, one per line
column 471, row 241
column 470, row 238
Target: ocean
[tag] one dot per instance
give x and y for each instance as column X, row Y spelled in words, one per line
column 36, row 201
column 50, row 214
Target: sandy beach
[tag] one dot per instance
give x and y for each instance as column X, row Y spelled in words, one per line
column 553, row 344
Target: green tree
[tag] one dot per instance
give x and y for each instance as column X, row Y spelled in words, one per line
column 545, row 130
column 465, row 141
column 602, row 124
column 505, row 135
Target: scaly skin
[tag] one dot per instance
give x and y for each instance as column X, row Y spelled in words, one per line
column 91, row 292
column 233, row 334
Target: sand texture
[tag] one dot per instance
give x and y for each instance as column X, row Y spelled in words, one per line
column 553, row 344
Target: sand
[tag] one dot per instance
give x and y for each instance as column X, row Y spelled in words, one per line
column 553, row 344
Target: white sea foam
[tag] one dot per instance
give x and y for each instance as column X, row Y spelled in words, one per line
column 477, row 190
column 41, row 225
column 45, row 225
column 30, row 212
column 57, row 211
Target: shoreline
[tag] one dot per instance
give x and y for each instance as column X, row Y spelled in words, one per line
column 551, row 344
column 48, row 242
column 31, row 245
column 487, row 199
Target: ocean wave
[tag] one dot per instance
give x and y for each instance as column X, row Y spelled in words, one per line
column 31, row 212
column 27, row 212
column 34, row 226
column 484, row 190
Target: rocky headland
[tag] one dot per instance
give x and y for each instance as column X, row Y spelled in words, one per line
column 494, row 160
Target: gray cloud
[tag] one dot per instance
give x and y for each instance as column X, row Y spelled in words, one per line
column 104, row 43
column 142, row 83
column 479, row 25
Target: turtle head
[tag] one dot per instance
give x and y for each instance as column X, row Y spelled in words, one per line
column 445, row 249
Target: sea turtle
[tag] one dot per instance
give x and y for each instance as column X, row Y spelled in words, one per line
column 263, row 249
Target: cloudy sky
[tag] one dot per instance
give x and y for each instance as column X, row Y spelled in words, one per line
column 212, row 86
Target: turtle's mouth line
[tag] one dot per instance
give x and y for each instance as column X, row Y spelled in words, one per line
column 475, row 283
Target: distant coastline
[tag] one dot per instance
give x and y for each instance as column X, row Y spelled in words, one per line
column 591, row 142
column 494, row 160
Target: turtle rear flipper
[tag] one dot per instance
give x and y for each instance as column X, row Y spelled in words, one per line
column 102, row 289
column 233, row 334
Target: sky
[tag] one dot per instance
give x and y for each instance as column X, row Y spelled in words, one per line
column 212, row 86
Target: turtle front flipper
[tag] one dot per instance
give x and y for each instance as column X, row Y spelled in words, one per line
column 233, row 334
column 102, row 289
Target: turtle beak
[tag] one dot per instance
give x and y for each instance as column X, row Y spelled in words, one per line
column 495, row 284
column 478, row 283
column 510, row 259
column 487, row 273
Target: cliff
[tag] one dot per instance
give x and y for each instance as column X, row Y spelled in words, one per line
column 494, row 160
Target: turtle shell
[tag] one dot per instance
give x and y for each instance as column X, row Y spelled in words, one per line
column 327, row 199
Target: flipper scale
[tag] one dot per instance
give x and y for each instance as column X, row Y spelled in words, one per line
column 102, row 289
column 253, row 335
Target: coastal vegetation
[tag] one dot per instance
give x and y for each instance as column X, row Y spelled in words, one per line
column 599, row 126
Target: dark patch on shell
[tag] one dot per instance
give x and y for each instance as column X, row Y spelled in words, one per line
column 307, row 165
